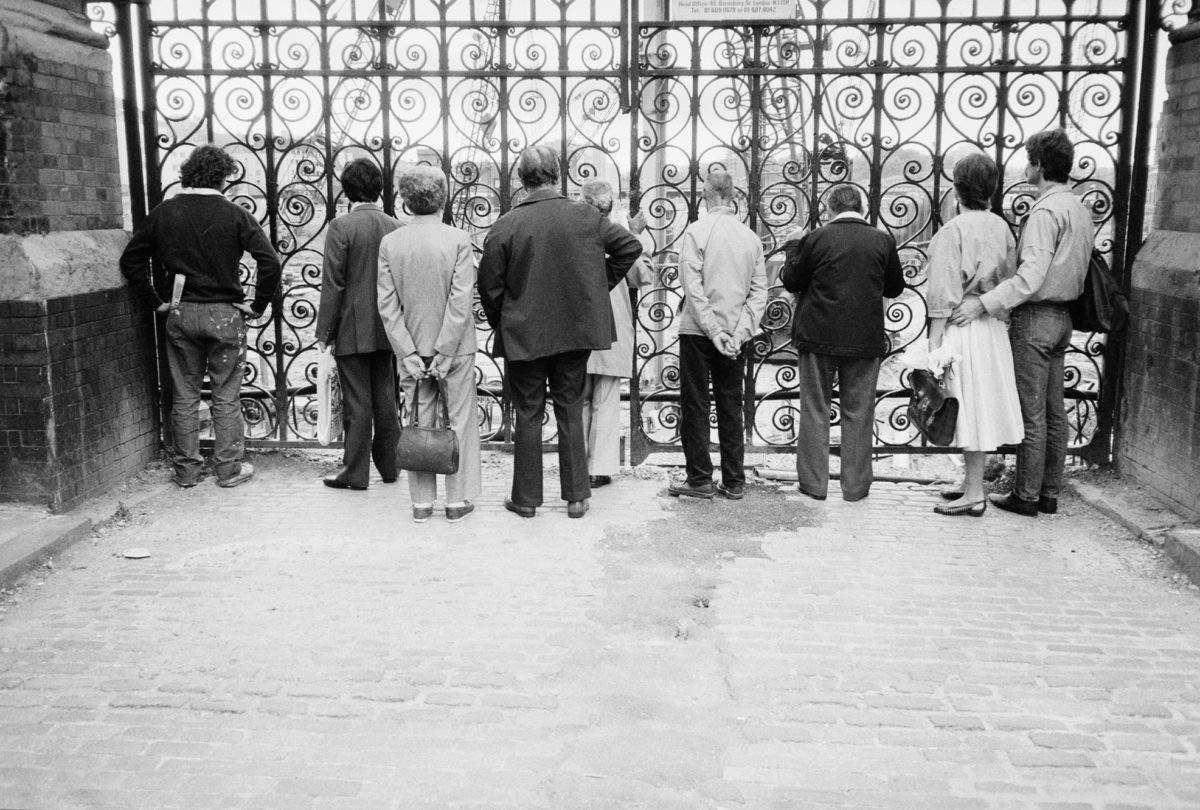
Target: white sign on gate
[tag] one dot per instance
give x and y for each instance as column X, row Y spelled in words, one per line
column 732, row 10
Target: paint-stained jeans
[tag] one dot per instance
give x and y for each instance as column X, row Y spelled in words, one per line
column 206, row 338
column 1040, row 335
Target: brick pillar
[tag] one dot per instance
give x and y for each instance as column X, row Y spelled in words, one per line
column 77, row 395
column 1160, row 422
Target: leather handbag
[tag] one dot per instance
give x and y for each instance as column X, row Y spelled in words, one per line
column 428, row 449
column 932, row 410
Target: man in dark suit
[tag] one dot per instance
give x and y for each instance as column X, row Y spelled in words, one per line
column 544, row 279
column 841, row 273
column 349, row 322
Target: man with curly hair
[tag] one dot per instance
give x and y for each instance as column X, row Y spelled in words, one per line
column 199, row 236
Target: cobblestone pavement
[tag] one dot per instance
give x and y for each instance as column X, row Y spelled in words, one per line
column 290, row 646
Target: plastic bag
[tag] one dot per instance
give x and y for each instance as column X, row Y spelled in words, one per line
column 329, row 398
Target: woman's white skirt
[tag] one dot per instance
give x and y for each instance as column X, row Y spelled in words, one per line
column 989, row 413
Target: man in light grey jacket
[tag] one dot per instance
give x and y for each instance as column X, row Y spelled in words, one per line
column 724, row 280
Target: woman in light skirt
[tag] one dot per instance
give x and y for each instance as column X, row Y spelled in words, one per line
column 970, row 255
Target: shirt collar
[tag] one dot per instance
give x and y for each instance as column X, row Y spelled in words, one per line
column 426, row 219
column 209, row 191
column 541, row 193
column 357, row 205
column 1054, row 188
column 849, row 215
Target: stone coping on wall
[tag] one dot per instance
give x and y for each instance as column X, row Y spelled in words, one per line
column 36, row 267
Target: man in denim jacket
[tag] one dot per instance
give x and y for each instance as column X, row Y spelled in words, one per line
column 1052, row 259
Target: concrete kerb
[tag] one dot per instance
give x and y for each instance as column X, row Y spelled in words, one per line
column 1150, row 520
column 31, row 541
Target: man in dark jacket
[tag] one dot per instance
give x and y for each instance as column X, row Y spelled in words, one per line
column 544, row 278
column 348, row 322
column 841, row 273
column 198, row 236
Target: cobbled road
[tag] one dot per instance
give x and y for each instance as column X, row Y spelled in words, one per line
column 291, row 646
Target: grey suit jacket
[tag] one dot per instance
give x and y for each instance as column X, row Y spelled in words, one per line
column 348, row 315
column 426, row 288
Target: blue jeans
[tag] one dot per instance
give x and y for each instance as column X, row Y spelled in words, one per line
column 1040, row 335
column 206, row 338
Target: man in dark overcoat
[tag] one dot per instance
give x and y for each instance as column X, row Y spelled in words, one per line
column 544, row 279
column 841, row 273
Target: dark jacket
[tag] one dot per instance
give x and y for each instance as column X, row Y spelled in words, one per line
column 544, row 277
column 841, row 273
column 202, row 237
column 349, row 316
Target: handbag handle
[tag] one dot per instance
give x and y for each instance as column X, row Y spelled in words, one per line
column 439, row 397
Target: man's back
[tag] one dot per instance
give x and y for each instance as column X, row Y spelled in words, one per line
column 841, row 273
column 544, row 277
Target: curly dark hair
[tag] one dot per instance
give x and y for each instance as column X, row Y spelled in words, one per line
column 207, row 166
column 362, row 181
column 975, row 178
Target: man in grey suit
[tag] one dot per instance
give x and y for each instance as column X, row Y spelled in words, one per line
column 348, row 321
column 547, row 268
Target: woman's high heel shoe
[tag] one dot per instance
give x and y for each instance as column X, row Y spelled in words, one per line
column 974, row 509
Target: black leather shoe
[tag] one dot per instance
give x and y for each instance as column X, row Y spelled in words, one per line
column 1011, row 503
column 577, row 509
column 688, row 491
column 390, row 479
column 517, row 509
column 1048, row 505
column 336, row 483
column 733, row 493
column 951, row 493
column 808, row 494
column 973, row 509
column 599, row 480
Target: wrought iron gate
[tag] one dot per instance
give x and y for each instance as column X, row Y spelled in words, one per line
column 884, row 94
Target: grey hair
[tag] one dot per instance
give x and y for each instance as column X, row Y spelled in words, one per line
column 423, row 189
column 719, row 185
column 845, row 198
column 538, row 166
column 599, row 195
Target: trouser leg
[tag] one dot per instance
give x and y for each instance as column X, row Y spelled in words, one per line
column 226, row 333
column 527, row 393
column 567, row 373
column 185, row 361
column 728, row 383
column 814, row 382
column 354, row 373
column 857, row 378
column 694, row 433
column 1031, row 362
column 464, row 485
column 1058, row 430
column 422, row 486
column 602, row 421
column 385, row 424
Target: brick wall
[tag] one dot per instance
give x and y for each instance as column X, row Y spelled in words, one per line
column 78, row 407
column 1159, row 437
column 59, row 169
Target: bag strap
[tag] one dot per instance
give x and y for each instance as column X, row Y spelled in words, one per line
column 443, row 397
